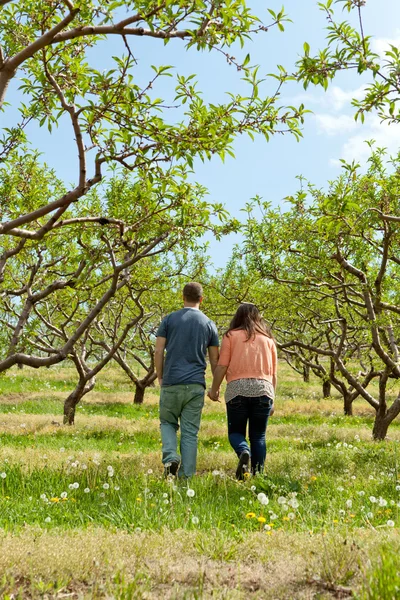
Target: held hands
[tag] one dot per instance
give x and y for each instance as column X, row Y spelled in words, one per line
column 214, row 396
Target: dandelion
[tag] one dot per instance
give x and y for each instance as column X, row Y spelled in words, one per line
column 282, row 500
column 195, row 520
column 250, row 515
column 110, row 472
column 267, row 527
column 291, row 516
column 86, row 490
column 372, row 499
column 261, row 519
column 150, row 472
column 273, row 517
column 370, row 515
column 138, row 499
column 371, row 477
column 342, row 512
column 116, row 488
column 102, row 495
column 294, row 503
column 54, row 499
column 340, row 488
column 247, row 475
column 106, row 486
column 397, row 488
column 138, row 530
column 253, row 488
column 63, row 495
column 349, row 503
column 3, row 475
column 75, row 485
column 313, row 478
column 390, row 523
column 47, row 520
column 215, row 473
column 361, row 493
column 62, row 449
column 242, row 498
column 84, row 467
column 43, row 497
column 165, row 495
column 382, row 501
column 263, row 499
column 190, row 493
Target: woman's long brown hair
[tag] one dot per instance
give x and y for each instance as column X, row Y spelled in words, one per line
column 249, row 318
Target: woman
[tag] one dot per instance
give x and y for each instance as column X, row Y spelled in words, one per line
column 249, row 360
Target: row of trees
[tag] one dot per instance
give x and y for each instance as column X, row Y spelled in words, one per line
column 87, row 271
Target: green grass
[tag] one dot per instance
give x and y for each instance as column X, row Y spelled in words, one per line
column 328, row 487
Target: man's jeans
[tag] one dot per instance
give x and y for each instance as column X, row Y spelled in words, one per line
column 184, row 403
column 255, row 411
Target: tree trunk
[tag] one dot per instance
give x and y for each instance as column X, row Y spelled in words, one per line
column 326, row 389
column 348, row 405
column 383, row 419
column 20, row 366
column 139, row 394
column 381, row 425
column 74, row 398
column 306, row 373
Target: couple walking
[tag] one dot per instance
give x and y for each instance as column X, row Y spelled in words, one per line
column 248, row 360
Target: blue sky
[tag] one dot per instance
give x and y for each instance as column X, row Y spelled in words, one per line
column 260, row 168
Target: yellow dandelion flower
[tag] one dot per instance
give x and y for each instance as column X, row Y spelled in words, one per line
column 313, row 478
column 73, row 500
column 54, row 499
column 261, row 519
column 138, row 499
column 272, row 524
column 246, row 475
column 269, row 532
column 152, row 504
column 250, row 515
column 335, row 521
column 286, row 519
column 352, row 516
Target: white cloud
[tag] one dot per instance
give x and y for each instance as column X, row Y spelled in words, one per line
column 335, row 98
column 380, row 45
column 335, row 124
column 385, row 136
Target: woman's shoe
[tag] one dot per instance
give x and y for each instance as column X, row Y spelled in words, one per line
column 243, row 465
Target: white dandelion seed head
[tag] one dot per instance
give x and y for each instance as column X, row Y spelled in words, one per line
column 262, row 498
column 382, row 501
column 47, row 520
column 349, row 503
column 106, row 486
column 390, row 523
column 63, row 495
column 372, row 499
column 86, row 490
column 75, row 485
column 294, row 503
column 282, row 500
column 190, row 493
column 116, row 488
column 3, row 475
column 253, row 488
column 165, row 495
column 195, row 520
column 291, row 516
column 370, row 515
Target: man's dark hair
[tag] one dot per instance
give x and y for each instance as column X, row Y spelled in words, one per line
column 193, row 291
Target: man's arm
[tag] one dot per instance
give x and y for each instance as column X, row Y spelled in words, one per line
column 159, row 357
column 213, row 355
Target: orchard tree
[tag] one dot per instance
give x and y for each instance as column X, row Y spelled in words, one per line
column 57, row 236
column 340, row 250
column 350, row 48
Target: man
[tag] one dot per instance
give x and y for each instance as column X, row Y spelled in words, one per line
column 186, row 335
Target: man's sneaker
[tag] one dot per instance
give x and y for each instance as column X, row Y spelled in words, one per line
column 171, row 468
column 242, row 470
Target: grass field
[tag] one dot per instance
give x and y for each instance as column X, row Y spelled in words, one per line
column 85, row 512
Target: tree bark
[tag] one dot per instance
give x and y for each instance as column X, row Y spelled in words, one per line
column 139, row 394
column 348, row 405
column 381, row 425
column 326, row 389
column 74, row 398
column 306, row 373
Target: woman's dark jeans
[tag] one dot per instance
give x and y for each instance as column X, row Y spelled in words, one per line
column 255, row 411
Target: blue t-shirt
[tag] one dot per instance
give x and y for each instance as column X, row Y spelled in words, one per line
column 188, row 333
